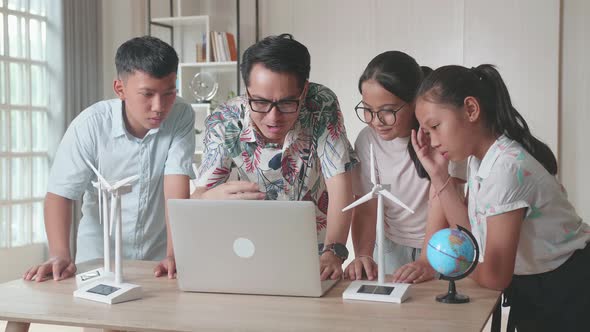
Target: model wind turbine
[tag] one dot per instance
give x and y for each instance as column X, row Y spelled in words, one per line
column 102, row 187
column 109, row 288
column 377, row 290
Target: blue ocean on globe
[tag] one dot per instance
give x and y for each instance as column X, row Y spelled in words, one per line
column 450, row 252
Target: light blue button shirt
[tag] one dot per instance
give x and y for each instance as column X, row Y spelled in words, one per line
column 99, row 135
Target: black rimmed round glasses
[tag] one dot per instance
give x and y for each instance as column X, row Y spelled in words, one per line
column 265, row 105
column 387, row 115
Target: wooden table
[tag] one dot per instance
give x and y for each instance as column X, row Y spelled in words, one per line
column 165, row 308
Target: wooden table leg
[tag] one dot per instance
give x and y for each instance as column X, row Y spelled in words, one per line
column 17, row 327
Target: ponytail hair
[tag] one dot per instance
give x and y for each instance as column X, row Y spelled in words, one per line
column 452, row 84
column 401, row 75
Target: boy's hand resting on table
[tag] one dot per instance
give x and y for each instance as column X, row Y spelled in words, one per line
column 59, row 267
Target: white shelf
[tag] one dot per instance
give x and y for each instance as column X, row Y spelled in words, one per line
column 182, row 20
column 201, row 105
column 208, row 64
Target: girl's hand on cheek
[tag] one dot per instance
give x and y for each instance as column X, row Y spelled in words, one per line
column 433, row 161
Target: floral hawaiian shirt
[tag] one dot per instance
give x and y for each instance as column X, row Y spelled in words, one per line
column 314, row 150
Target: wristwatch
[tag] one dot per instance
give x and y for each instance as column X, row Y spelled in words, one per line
column 338, row 249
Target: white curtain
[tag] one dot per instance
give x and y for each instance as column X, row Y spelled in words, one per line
column 83, row 66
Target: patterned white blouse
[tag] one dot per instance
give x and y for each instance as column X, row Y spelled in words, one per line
column 509, row 178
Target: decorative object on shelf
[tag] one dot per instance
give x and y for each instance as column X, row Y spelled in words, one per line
column 204, row 87
column 454, row 254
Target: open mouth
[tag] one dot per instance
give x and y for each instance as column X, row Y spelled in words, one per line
column 274, row 129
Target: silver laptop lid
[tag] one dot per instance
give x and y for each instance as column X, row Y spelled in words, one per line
column 252, row 247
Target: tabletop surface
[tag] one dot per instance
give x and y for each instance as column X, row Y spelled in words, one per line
column 165, row 308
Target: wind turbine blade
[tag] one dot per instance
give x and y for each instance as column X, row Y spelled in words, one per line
column 390, row 196
column 125, row 181
column 373, row 175
column 100, row 178
column 359, row 201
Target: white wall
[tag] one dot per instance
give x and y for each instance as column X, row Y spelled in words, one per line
column 122, row 20
column 575, row 104
column 519, row 36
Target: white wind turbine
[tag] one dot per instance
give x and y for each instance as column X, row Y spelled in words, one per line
column 379, row 290
column 105, row 289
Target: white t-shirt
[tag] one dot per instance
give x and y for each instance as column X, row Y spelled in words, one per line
column 395, row 167
column 509, row 178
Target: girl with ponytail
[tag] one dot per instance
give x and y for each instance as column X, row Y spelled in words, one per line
column 533, row 244
column 388, row 87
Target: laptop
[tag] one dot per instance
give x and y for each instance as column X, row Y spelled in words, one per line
column 246, row 247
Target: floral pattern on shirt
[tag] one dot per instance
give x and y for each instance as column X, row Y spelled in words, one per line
column 315, row 149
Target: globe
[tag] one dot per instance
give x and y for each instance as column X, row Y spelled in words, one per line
column 452, row 252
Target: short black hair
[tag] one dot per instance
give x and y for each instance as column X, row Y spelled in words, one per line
column 281, row 54
column 147, row 54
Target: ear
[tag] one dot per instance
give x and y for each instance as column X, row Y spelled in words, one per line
column 472, row 108
column 305, row 89
column 119, row 88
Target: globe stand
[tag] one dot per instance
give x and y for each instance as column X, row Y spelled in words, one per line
column 452, row 296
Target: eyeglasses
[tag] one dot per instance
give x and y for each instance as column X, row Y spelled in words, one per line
column 387, row 116
column 264, row 105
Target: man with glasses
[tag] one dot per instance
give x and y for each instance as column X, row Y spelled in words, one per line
column 286, row 140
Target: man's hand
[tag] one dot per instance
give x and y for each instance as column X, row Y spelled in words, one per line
column 59, row 267
column 166, row 266
column 414, row 272
column 330, row 266
column 361, row 265
column 234, row 190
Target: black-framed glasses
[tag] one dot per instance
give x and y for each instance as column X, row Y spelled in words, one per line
column 265, row 105
column 387, row 116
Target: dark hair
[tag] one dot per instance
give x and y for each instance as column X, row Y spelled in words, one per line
column 401, row 75
column 452, row 84
column 426, row 70
column 147, row 54
column 281, row 54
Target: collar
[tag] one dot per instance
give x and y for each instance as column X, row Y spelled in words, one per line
column 118, row 127
column 484, row 167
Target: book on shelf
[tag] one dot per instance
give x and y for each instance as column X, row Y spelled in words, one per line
column 233, row 50
column 223, row 47
column 202, row 49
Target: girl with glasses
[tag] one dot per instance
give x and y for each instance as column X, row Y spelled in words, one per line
column 388, row 87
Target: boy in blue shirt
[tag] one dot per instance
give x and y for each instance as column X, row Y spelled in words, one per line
column 148, row 132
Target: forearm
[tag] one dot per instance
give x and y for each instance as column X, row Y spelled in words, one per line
column 175, row 187
column 363, row 229
column 452, row 201
column 58, row 220
column 340, row 195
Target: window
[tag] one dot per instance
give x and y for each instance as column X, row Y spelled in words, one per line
column 24, row 111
